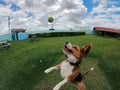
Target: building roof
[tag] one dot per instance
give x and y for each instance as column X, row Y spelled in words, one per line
column 106, row 29
column 19, row 30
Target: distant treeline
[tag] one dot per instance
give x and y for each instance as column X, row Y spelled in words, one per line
column 57, row 34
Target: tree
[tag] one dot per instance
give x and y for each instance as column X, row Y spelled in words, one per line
column 50, row 20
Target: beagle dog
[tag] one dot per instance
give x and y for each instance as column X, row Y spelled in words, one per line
column 70, row 67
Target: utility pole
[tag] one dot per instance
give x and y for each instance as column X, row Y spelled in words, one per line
column 9, row 24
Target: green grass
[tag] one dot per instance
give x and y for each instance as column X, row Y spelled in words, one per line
column 22, row 66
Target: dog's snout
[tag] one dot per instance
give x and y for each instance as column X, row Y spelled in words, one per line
column 66, row 43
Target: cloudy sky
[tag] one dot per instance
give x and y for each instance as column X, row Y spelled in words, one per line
column 75, row 14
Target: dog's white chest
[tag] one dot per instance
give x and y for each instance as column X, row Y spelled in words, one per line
column 66, row 69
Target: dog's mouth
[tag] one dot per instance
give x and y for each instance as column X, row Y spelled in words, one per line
column 67, row 48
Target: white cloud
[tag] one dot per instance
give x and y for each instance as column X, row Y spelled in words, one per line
column 101, row 8
column 113, row 9
column 4, row 25
column 103, row 20
column 33, row 14
column 29, row 3
column 49, row 2
column 5, row 11
column 63, row 11
column 104, row 7
column 104, row 15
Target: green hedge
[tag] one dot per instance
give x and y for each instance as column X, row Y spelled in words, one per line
column 57, row 34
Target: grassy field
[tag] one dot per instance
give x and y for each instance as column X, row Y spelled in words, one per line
column 22, row 66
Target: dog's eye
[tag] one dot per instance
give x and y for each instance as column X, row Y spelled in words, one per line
column 75, row 48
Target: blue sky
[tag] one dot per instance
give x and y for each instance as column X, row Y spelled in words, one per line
column 88, row 4
column 3, row 2
column 78, row 14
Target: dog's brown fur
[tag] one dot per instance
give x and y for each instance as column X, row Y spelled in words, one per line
column 72, row 74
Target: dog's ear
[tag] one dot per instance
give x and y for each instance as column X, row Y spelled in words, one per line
column 86, row 49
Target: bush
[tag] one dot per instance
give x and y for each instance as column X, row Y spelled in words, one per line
column 57, row 34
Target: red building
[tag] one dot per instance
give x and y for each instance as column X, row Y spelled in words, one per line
column 106, row 32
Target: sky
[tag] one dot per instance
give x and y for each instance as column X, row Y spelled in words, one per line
column 68, row 14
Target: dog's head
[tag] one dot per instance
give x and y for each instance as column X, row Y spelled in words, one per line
column 74, row 53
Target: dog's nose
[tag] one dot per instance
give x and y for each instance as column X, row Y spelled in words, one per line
column 66, row 42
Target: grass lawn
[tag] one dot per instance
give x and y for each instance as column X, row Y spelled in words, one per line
column 22, row 66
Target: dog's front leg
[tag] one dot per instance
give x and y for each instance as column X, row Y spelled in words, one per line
column 52, row 68
column 57, row 87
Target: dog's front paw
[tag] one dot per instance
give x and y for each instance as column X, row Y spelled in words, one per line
column 56, row 88
column 47, row 71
